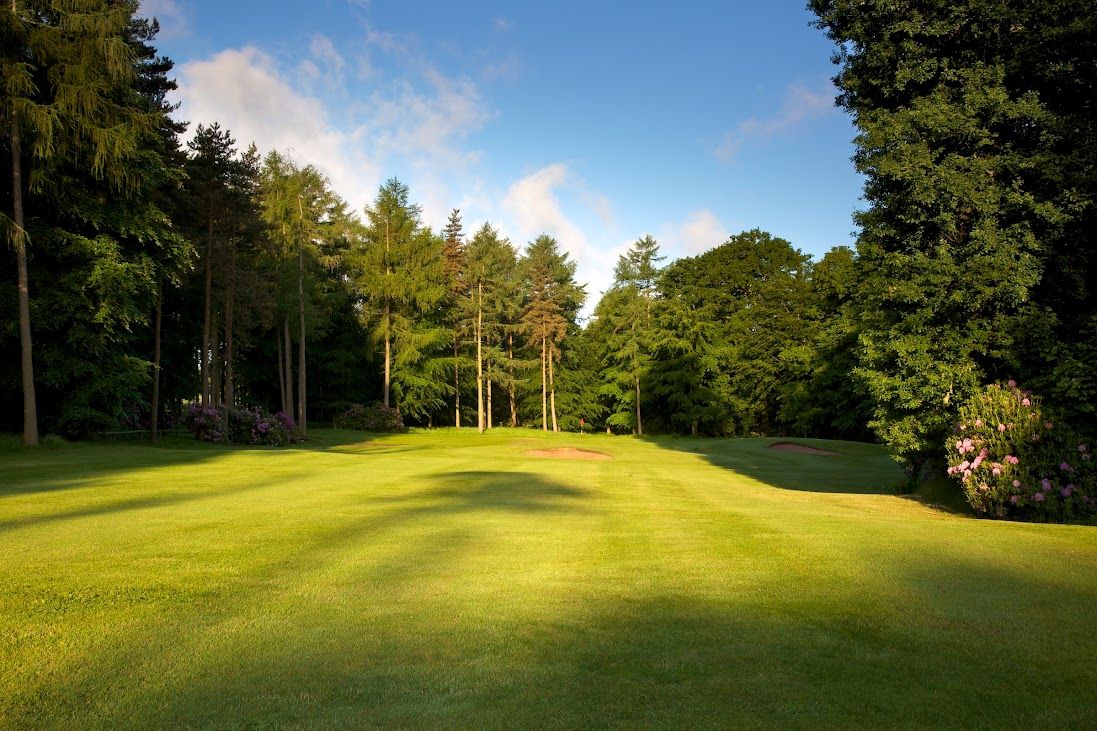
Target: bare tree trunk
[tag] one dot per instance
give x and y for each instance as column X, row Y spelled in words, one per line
column 639, row 424
column 230, row 385
column 26, row 359
column 208, row 311
column 288, row 354
column 281, row 373
column 488, row 410
column 510, row 386
column 301, row 404
column 154, row 422
column 388, row 361
column 215, row 366
column 552, row 393
column 388, row 322
column 456, row 386
column 544, row 387
column 480, row 358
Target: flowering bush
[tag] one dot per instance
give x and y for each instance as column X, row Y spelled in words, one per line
column 1014, row 461
column 375, row 418
column 206, row 422
column 246, row 425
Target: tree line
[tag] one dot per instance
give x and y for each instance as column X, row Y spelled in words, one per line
column 149, row 273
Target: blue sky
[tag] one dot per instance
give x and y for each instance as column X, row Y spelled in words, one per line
column 594, row 122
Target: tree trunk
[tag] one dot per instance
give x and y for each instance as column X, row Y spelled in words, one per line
column 639, row 424
column 388, row 322
column 208, row 311
column 301, row 403
column 456, row 386
column 26, row 359
column 510, row 386
column 215, row 366
column 154, row 421
column 230, row 384
column 479, row 358
column 487, row 411
column 288, row 354
column 544, row 388
column 552, row 392
column 388, row 360
column 281, row 372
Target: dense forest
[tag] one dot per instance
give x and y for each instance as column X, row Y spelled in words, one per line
column 143, row 274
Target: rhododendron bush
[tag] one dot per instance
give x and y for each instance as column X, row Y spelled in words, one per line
column 1014, row 461
column 246, row 425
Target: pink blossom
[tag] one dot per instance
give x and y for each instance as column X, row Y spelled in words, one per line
column 1014, row 499
column 1047, row 424
column 979, row 459
column 1012, row 383
column 1065, row 467
column 1045, row 483
column 1066, row 491
column 1001, row 427
column 996, row 470
column 1016, row 483
column 1011, row 459
column 1026, row 402
column 978, row 422
column 963, row 466
column 1038, row 497
column 1082, row 448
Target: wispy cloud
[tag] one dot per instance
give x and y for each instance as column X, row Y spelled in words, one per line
column 700, row 231
column 174, row 22
column 800, row 105
column 501, row 24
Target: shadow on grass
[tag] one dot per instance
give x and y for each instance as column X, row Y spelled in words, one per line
column 855, row 468
column 958, row 655
column 79, row 464
column 163, row 499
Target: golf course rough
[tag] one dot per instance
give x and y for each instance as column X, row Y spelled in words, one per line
column 448, row 579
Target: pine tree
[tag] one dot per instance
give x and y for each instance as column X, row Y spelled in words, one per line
column 65, row 69
column 553, row 300
column 400, row 274
column 627, row 323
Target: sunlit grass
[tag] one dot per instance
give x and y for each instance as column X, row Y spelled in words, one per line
column 446, row 579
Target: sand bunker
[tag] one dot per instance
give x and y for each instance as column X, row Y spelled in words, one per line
column 567, row 453
column 801, row 449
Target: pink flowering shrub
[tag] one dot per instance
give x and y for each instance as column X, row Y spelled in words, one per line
column 246, row 425
column 1013, row 461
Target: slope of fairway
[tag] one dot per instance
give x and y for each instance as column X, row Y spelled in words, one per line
column 450, row 579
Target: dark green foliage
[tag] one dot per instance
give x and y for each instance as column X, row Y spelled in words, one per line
column 373, row 418
column 976, row 134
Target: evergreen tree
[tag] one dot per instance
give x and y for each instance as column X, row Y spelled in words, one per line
column 400, row 273
column 312, row 229
column 628, row 324
column 553, row 302
column 68, row 97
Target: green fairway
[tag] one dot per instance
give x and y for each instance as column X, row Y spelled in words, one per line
column 447, row 579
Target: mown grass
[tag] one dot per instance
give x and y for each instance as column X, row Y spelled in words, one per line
column 444, row 579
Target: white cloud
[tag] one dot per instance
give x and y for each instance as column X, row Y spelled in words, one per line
column 800, row 105
column 174, row 22
column 419, row 123
column 501, row 24
column 324, row 51
column 241, row 90
column 533, row 206
column 700, row 231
